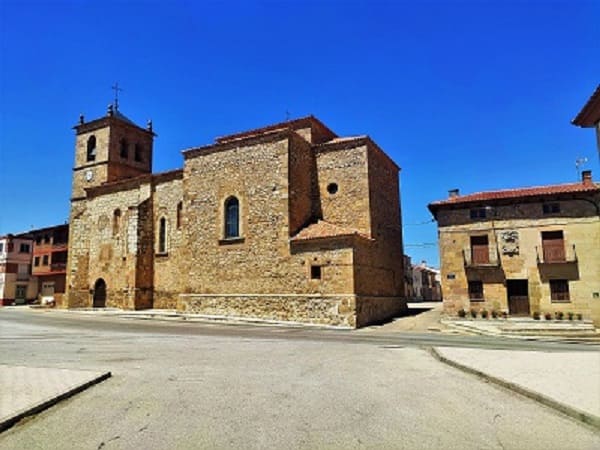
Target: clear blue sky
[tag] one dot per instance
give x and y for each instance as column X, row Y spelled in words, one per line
column 470, row 95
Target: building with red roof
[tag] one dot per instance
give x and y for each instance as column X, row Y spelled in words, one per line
column 526, row 251
column 522, row 251
column 589, row 116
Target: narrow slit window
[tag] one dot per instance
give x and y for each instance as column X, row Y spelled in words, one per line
column 179, row 211
column 116, row 221
column 232, row 218
column 162, row 236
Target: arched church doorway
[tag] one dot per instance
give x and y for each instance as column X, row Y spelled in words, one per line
column 99, row 294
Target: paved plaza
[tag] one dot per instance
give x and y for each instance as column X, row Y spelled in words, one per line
column 192, row 385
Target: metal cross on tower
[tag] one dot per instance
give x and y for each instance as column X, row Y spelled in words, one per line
column 116, row 88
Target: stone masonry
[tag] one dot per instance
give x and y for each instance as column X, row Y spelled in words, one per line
column 317, row 219
column 513, row 224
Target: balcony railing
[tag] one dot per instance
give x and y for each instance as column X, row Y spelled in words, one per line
column 556, row 254
column 23, row 277
column 56, row 267
column 477, row 258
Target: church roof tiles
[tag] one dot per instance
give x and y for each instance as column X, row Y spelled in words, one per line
column 323, row 230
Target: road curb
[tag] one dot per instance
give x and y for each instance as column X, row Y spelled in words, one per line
column 586, row 418
column 47, row 403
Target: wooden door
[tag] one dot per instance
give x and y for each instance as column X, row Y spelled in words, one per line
column 99, row 294
column 480, row 251
column 518, row 297
column 553, row 244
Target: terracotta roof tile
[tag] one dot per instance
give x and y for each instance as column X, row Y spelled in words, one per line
column 289, row 124
column 520, row 193
column 590, row 113
column 323, row 229
column 344, row 139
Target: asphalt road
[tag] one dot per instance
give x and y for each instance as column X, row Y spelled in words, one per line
column 189, row 385
column 76, row 322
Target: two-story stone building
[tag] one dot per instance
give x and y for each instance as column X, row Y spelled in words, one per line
column 522, row 250
column 287, row 222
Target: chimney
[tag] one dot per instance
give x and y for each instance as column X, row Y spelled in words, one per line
column 453, row 193
column 586, row 177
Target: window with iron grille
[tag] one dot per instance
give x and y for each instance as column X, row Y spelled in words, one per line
column 478, row 213
column 551, row 208
column 475, row 290
column 559, row 290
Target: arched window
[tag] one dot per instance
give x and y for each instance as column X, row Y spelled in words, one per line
column 116, row 221
column 232, row 218
column 91, row 148
column 162, row 235
column 137, row 153
column 179, row 210
column 124, row 148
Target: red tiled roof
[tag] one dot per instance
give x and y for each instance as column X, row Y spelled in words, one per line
column 519, row 193
column 323, row 229
column 590, row 113
column 291, row 124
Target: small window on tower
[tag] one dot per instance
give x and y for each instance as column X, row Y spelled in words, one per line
column 124, row 146
column 137, row 153
column 91, row 148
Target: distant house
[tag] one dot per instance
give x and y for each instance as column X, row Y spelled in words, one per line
column 523, row 250
column 408, row 277
column 17, row 285
column 425, row 284
column 50, row 261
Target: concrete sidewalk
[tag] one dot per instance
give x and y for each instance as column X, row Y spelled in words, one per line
column 568, row 382
column 525, row 328
column 25, row 391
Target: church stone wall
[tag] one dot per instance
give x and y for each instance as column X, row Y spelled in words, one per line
column 169, row 280
column 302, row 183
column 282, row 180
column 346, row 168
column 256, row 262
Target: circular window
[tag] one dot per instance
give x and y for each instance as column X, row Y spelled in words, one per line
column 332, row 188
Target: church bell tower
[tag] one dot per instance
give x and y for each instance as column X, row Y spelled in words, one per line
column 110, row 148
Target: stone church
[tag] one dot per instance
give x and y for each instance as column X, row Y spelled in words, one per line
column 288, row 222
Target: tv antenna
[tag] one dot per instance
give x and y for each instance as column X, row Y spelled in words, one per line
column 580, row 162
